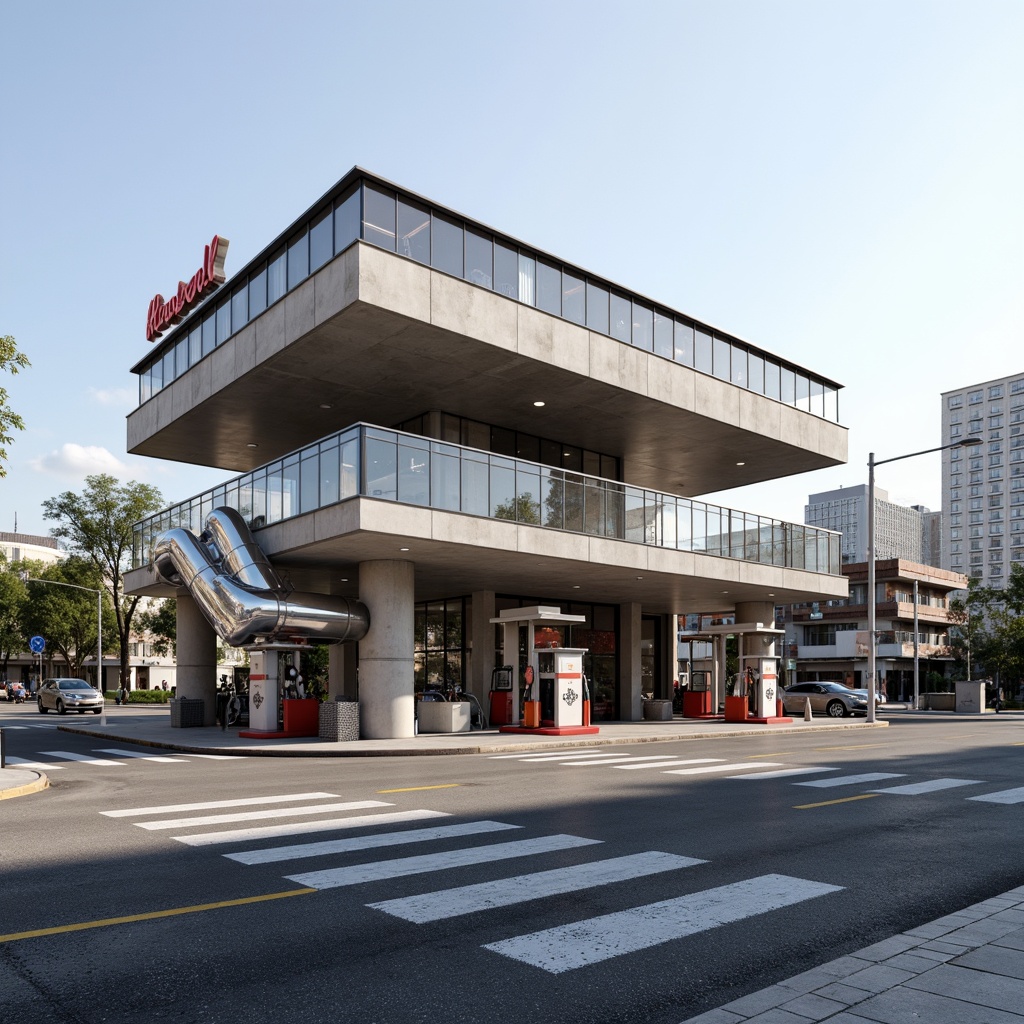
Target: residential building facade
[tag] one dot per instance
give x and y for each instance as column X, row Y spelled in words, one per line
column 983, row 486
column 437, row 421
column 829, row 640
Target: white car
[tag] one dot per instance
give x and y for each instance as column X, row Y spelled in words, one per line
column 64, row 695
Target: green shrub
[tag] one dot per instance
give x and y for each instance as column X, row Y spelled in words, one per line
column 149, row 696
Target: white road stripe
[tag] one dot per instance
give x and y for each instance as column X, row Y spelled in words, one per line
column 298, row 828
column 781, row 773
column 568, row 947
column 630, row 757
column 665, row 764
column 931, row 786
column 468, row 899
column 544, row 756
column 213, row 804
column 144, row 757
column 850, row 780
column 277, row 812
column 734, row 767
column 1005, row 796
column 370, row 842
column 22, row 763
column 219, row 757
column 376, row 871
column 67, row 755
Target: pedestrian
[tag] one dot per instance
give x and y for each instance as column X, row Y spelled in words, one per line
column 999, row 699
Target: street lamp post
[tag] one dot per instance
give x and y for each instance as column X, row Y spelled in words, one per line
column 99, row 633
column 967, row 442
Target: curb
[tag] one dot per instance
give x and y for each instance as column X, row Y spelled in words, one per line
column 41, row 783
column 548, row 743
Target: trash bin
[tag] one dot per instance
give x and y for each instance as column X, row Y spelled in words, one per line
column 186, row 712
column 339, row 720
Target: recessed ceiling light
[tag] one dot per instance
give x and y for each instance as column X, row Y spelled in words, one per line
column 403, row 549
column 740, row 463
column 575, row 586
column 326, row 405
column 344, row 579
column 639, row 577
column 539, row 405
column 252, row 444
column 725, row 591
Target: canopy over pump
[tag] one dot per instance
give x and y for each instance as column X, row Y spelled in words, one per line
column 556, row 698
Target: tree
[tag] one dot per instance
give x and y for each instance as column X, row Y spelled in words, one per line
column 97, row 525
column 12, row 361
column 161, row 623
column 65, row 615
column 967, row 635
column 13, row 598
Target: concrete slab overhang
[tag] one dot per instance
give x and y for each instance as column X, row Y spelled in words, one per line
column 376, row 337
column 457, row 554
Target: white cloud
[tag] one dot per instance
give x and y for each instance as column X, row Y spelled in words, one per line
column 76, row 461
column 121, row 397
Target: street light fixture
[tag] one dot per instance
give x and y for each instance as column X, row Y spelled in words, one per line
column 967, row 442
column 99, row 630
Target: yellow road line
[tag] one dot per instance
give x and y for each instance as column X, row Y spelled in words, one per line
column 753, row 757
column 416, row 789
column 829, row 803
column 107, row 922
column 859, row 746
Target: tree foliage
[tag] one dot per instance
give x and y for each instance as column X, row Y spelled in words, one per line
column 13, row 598
column 161, row 623
column 11, row 361
column 987, row 634
column 97, row 525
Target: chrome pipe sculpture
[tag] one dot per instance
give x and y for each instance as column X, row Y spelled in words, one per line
column 241, row 595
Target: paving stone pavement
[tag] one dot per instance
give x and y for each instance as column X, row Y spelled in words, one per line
column 965, row 968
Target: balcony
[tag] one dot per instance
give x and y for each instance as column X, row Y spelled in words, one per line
column 366, row 461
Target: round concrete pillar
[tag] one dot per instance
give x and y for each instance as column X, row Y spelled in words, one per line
column 196, row 646
column 386, row 665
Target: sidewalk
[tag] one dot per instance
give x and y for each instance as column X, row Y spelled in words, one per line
column 965, row 968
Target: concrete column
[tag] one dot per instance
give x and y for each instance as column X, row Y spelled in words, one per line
column 664, row 689
column 386, row 666
column 631, row 707
column 196, row 646
column 341, row 671
column 481, row 641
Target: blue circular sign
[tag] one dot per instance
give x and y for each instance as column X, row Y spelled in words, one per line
column 38, row 644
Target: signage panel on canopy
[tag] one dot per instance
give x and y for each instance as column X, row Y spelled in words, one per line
column 163, row 314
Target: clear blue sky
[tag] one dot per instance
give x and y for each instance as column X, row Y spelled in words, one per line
column 839, row 182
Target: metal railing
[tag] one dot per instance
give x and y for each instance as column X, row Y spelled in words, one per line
column 389, row 465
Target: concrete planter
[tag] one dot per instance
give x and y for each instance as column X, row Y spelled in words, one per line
column 657, row 711
column 339, row 720
column 443, row 715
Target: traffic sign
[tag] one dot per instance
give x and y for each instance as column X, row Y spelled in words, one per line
column 38, row 644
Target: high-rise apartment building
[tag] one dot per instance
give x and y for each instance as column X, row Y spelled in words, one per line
column 901, row 531
column 983, row 486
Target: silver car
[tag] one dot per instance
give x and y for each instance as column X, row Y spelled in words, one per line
column 831, row 699
column 64, row 695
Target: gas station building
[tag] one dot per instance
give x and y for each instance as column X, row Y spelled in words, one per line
column 439, row 424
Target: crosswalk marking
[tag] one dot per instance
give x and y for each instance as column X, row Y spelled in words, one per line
column 546, row 756
column 571, row 946
column 278, row 812
column 219, row 757
column 468, row 899
column 376, row 871
column 145, row 757
column 850, row 780
column 67, row 755
column 665, row 764
column 782, row 773
column 211, row 805
column 238, row 835
column 22, row 763
column 610, row 759
column 370, row 842
column 735, row 767
column 1005, row 796
column 931, row 786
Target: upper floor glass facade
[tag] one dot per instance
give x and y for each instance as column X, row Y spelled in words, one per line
column 372, row 462
column 364, row 207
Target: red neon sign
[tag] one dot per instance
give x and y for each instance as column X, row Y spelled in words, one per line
column 209, row 276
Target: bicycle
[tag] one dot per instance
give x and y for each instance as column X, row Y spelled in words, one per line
column 236, row 710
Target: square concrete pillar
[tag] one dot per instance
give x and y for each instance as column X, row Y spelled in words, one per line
column 481, row 640
column 631, row 706
column 196, row 646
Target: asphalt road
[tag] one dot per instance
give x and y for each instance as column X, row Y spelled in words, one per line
column 650, row 896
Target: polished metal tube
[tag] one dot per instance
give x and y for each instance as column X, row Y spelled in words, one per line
column 244, row 615
column 238, row 551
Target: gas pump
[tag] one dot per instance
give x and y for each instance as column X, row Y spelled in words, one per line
column 562, row 695
column 501, row 696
